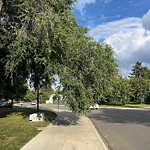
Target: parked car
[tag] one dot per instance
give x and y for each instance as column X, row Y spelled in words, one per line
column 33, row 102
column 96, row 106
column 5, row 105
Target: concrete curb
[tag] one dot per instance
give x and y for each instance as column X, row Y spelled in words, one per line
column 100, row 138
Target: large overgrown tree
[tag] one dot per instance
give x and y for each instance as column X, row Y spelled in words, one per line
column 88, row 72
column 37, row 30
column 43, row 39
column 8, row 89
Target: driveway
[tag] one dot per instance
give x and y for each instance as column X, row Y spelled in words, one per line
column 123, row 129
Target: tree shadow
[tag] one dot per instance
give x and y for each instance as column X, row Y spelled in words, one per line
column 4, row 112
column 25, row 112
column 66, row 118
column 122, row 116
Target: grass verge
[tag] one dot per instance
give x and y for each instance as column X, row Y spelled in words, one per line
column 15, row 128
column 126, row 106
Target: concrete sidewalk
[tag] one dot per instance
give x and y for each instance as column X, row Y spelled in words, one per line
column 69, row 132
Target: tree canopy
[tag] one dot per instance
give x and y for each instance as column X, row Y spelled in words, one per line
column 42, row 38
column 140, row 82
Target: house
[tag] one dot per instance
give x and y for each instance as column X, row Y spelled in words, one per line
column 52, row 101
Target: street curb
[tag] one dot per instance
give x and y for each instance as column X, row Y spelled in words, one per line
column 100, row 136
column 126, row 108
column 107, row 145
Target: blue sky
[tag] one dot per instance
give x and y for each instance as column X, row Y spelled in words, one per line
column 124, row 24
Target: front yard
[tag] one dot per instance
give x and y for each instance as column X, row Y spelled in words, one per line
column 16, row 129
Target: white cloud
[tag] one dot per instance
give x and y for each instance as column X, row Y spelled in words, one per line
column 130, row 39
column 81, row 4
column 130, row 46
column 110, row 28
column 146, row 21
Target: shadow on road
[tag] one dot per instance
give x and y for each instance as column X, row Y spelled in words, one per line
column 122, row 116
column 66, row 118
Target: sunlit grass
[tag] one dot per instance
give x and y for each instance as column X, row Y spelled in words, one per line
column 16, row 129
column 126, row 106
column 138, row 105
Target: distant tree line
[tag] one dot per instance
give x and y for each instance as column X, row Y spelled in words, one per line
column 140, row 84
column 134, row 89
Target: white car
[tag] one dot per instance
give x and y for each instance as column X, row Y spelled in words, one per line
column 33, row 103
column 96, row 106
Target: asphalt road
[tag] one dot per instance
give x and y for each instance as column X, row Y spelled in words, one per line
column 43, row 106
column 123, row 129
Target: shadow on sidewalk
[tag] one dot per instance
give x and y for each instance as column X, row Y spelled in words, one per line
column 66, row 118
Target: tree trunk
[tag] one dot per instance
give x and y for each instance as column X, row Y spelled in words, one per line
column 38, row 99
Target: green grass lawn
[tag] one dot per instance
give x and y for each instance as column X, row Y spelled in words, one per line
column 138, row 105
column 16, row 129
column 127, row 106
